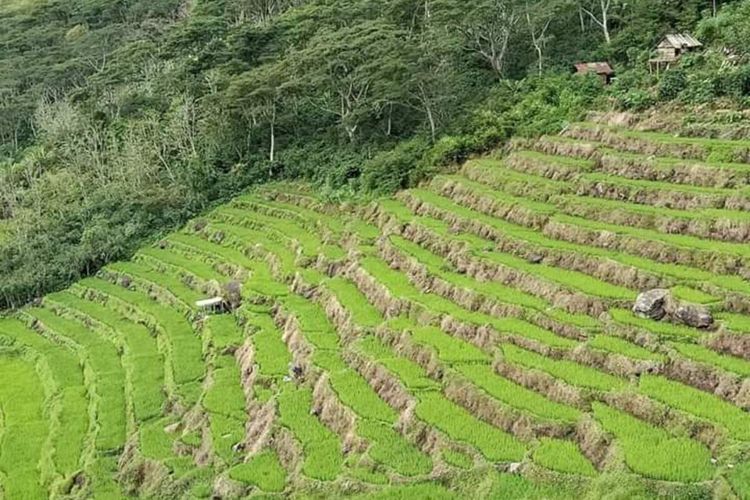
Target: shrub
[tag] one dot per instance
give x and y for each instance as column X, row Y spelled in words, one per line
column 396, row 168
column 636, row 100
column 672, row 83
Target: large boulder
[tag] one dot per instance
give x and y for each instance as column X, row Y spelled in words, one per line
column 658, row 304
column 694, row 315
column 652, row 304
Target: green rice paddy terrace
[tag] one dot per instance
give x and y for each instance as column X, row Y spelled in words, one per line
column 473, row 337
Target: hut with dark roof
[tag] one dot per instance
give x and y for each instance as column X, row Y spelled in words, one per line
column 601, row 69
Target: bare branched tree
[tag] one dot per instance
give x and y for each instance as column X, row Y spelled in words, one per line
column 259, row 11
column 538, row 26
column 490, row 31
column 601, row 17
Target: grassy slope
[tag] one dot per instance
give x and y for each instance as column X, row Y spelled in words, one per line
column 362, row 363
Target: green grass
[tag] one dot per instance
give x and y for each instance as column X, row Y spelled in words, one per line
column 515, row 395
column 142, row 360
column 224, row 332
column 431, row 491
column 409, row 373
column 242, row 238
column 155, row 370
column 736, row 322
column 262, row 470
column 703, row 355
column 352, row 389
column 155, row 442
column 369, row 476
column 457, row 459
column 698, row 403
column 271, row 353
column 155, row 279
column 448, row 348
column 180, row 263
column 619, row 346
column 321, row 447
column 24, row 429
column 494, row 290
column 692, row 295
column 72, row 401
column 739, row 478
column 400, row 287
column 572, row 279
column 363, row 313
column 659, row 328
column 570, row 372
column 225, row 403
column 104, row 360
column 495, row 444
column 654, row 453
column 390, row 448
column 683, row 272
column 659, row 186
column 185, row 346
column 562, row 456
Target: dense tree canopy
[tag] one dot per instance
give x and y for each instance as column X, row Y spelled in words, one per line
column 120, row 119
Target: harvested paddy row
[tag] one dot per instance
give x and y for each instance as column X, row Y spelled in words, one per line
column 480, row 325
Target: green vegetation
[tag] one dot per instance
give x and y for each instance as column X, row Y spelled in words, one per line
column 698, row 403
column 620, row 346
column 457, row 459
column 570, row 372
column 459, row 424
column 374, row 340
column 515, row 395
column 263, row 471
column 653, row 452
column 293, row 365
column 321, row 447
column 24, row 429
column 562, row 456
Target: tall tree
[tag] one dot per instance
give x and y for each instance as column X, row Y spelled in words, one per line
column 488, row 30
column 600, row 12
column 261, row 95
column 539, row 17
column 349, row 73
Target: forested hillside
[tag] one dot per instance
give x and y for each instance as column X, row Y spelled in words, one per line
column 381, row 249
column 119, row 119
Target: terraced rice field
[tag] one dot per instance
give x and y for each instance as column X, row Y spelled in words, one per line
column 469, row 337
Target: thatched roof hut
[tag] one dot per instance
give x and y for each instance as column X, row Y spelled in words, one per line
column 602, row 69
column 671, row 49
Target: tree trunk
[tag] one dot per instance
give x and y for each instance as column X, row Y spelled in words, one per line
column 428, row 111
column 605, row 21
column 389, row 121
column 539, row 59
column 272, row 154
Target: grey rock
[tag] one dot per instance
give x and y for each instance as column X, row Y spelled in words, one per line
column 652, row 304
column 535, row 258
column 694, row 315
column 515, row 467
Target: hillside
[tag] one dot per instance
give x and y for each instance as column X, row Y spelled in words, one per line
column 120, row 120
column 472, row 336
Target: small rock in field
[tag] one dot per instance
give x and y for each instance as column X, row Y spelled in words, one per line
column 535, row 258
column 652, row 304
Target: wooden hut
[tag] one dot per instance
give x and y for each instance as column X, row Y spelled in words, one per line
column 601, row 69
column 671, row 49
column 215, row 305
